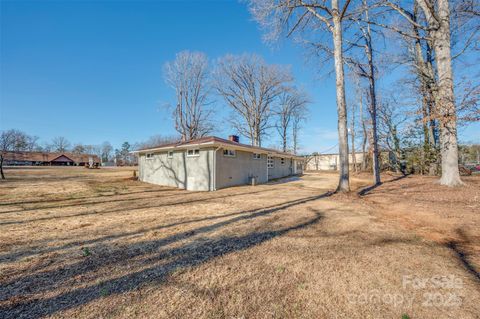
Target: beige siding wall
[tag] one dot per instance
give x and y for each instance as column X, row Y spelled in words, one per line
column 280, row 170
column 191, row 173
column 238, row 170
column 197, row 173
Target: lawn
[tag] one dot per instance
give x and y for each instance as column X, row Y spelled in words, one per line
column 97, row 243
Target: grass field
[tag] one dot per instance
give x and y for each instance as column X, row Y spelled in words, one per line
column 98, row 244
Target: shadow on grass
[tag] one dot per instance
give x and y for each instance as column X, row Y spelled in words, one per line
column 366, row 190
column 462, row 255
column 149, row 252
column 8, row 257
column 81, row 198
column 463, row 258
column 136, row 206
column 158, row 195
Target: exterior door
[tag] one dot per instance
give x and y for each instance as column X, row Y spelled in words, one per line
column 270, row 166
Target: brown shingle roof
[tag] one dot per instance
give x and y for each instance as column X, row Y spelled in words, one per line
column 214, row 139
column 48, row 157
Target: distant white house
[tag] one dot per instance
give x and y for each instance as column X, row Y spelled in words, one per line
column 326, row 162
column 211, row 163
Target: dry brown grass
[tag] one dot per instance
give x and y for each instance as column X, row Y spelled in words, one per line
column 94, row 243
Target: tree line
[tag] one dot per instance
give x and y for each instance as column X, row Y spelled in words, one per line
column 262, row 97
column 14, row 140
column 363, row 40
column 415, row 117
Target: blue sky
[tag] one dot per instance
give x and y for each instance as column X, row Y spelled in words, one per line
column 92, row 71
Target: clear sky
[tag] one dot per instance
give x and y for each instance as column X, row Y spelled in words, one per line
column 92, row 71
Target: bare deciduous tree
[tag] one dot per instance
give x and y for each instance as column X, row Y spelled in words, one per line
column 157, row 140
column 79, row 149
column 106, row 150
column 15, row 141
column 188, row 76
column 250, row 87
column 7, row 143
column 60, row 144
column 288, row 16
column 289, row 113
column 299, row 116
column 390, row 120
column 368, row 71
column 437, row 28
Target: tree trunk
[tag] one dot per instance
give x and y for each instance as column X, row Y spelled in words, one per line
column 373, row 101
column 1, row 166
column 447, row 109
column 426, row 76
column 364, row 137
column 399, row 158
column 256, row 137
column 426, row 140
column 295, row 137
column 352, row 138
column 343, row 184
column 445, row 101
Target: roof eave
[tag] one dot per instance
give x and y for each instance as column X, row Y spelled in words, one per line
column 218, row 144
column 173, row 147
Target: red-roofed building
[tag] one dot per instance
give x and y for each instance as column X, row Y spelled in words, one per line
column 56, row 158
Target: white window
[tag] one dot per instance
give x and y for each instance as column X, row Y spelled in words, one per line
column 270, row 162
column 170, row 154
column 149, row 155
column 257, row 156
column 282, row 161
column 230, row 153
column 193, row 152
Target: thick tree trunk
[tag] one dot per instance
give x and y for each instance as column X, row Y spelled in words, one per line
column 343, row 184
column 445, row 100
column 448, row 116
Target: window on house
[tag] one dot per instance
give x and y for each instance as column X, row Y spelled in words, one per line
column 170, row 154
column 282, row 161
column 230, row 153
column 193, row 152
column 149, row 155
column 270, row 162
column 257, row 156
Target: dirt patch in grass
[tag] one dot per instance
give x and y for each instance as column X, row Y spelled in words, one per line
column 109, row 246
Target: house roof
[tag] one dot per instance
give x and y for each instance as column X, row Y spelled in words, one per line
column 215, row 141
column 48, row 157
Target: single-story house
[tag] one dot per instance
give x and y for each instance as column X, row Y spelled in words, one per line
column 54, row 158
column 211, row 163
